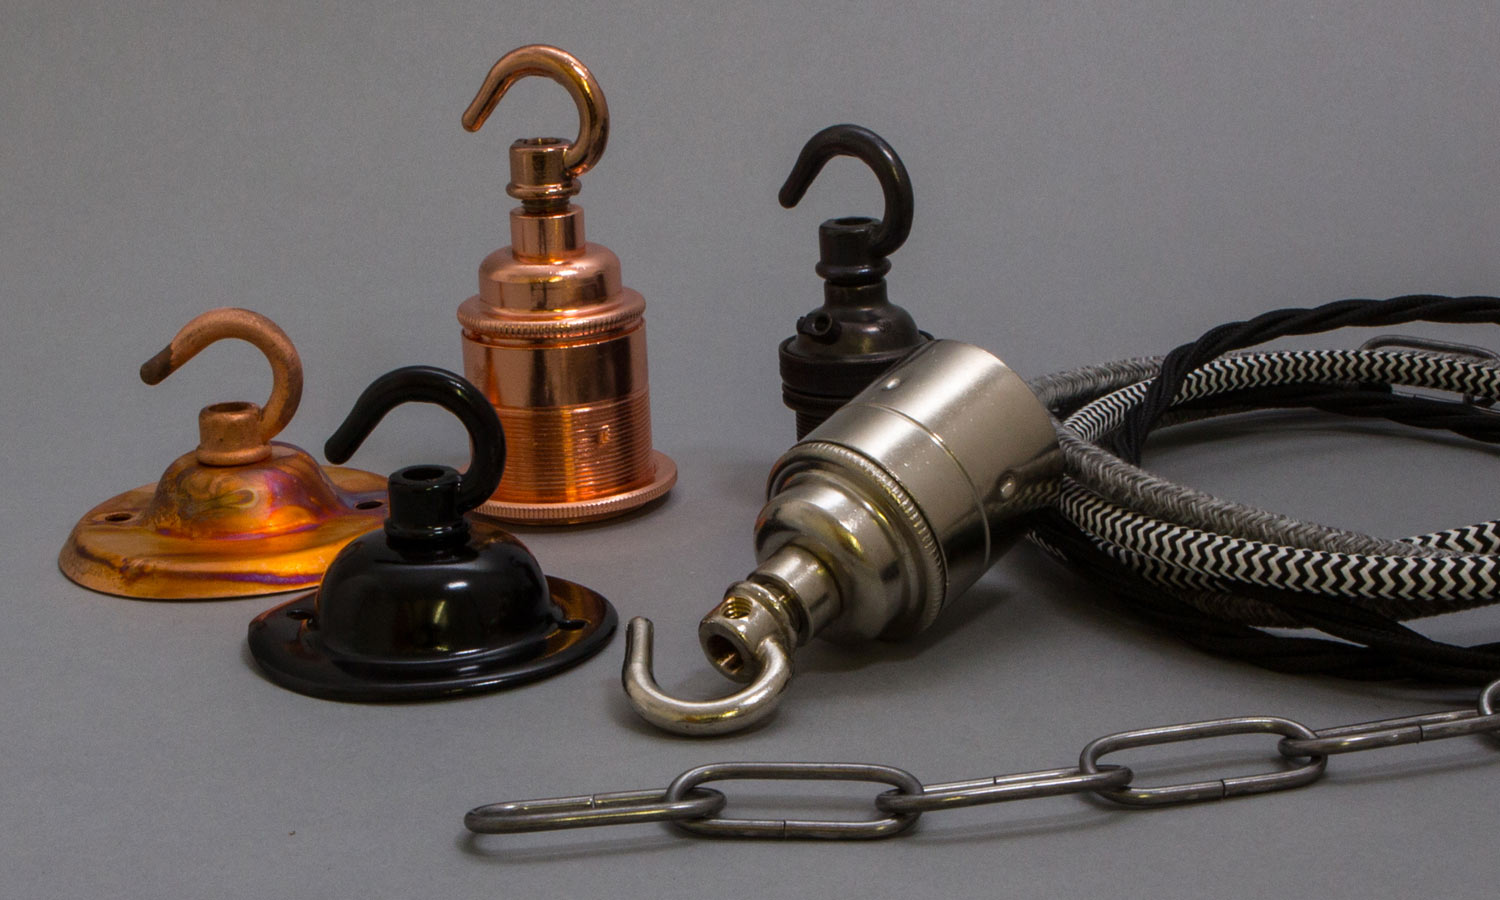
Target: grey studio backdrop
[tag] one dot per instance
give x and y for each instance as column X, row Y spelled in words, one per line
column 1093, row 181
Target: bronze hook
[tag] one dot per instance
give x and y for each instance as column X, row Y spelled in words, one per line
column 232, row 434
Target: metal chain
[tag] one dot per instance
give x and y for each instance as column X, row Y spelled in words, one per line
column 696, row 809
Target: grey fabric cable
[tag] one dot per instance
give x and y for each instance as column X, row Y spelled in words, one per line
column 1204, row 546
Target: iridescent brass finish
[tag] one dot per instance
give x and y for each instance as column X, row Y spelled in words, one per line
column 553, row 338
column 241, row 514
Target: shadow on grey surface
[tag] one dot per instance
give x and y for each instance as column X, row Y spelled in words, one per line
column 980, row 607
column 565, row 847
column 1340, row 772
column 926, row 831
column 705, row 685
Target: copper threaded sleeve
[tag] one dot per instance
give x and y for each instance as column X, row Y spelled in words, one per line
column 572, row 453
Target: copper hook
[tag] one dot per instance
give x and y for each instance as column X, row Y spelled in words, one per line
column 232, row 434
column 565, row 69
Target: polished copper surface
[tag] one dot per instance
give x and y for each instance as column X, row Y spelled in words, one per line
column 241, row 514
column 563, row 68
column 230, row 434
column 553, row 337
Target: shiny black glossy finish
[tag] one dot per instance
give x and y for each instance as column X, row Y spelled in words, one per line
column 857, row 333
column 428, row 384
column 290, row 644
column 437, row 604
column 414, row 606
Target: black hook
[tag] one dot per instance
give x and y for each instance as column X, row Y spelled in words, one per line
column 857, row 333
column 891, row 231
column 439, row 605
column 428, row 501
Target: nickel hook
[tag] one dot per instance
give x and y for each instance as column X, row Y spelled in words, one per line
column 233, row 434
column 871, row 149
column 565, row 69
column 739, row 710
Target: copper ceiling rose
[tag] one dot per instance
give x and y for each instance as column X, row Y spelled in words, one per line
column 240, row 515
column 553, row 339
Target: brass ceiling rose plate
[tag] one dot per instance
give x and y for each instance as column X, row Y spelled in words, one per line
column 239, row 516
column 258, row 529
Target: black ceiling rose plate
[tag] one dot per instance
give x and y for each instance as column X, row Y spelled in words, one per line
column 857, row 334
column 436, row 604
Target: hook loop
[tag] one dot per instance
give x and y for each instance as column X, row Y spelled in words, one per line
column 565, row 69
column 428, row 384
column 236, row 433
column 698, row 717
column 871, row 149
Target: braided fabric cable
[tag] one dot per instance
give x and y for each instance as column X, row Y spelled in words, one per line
column 1233, row 547
column 1132, row 488
column 1283, row 323
column 1212, row 570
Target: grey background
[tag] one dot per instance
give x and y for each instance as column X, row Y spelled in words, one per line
column 1093, row 180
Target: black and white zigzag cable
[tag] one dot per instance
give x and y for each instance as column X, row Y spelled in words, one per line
column 1210, row 568
column 1431, row 584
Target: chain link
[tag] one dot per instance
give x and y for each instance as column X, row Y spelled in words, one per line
column 617, row 808
column 1219, row 788
column 1023, row 786
column 858, row 829
column 696, row 809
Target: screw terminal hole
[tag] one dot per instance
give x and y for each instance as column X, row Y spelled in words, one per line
column 369, row 504
column 736, row 608
column 724, row 655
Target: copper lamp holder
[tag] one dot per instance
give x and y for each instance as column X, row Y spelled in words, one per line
column 240, row 515
column 553, row 338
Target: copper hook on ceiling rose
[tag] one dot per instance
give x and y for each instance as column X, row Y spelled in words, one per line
column 236, row 433
column 565, row 69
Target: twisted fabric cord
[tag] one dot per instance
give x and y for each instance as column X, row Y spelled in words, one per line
column 1211, row 569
